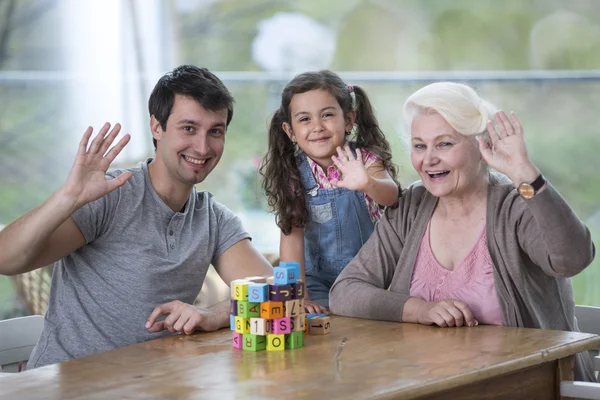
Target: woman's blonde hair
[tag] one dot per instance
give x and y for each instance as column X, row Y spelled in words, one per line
column 457, row 103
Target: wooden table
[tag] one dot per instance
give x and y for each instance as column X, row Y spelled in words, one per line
column 378, row 360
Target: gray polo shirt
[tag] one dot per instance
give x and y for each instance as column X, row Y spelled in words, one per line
column 138, row 254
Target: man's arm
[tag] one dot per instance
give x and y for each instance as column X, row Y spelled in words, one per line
column 42, row 236
column 241, row 261
column 47, row 233
column 237, row 262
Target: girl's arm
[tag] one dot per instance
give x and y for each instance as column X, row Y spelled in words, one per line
column 291, row 248
column 381, row 187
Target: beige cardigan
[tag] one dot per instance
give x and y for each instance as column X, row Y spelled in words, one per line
column 535, row 246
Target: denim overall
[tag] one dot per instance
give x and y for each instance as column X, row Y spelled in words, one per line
column 338, row 225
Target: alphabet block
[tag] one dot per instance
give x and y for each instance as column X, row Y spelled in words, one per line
column 271, row 309
column 280, row 292
column 233, row 307
column 258, row 293
column 320, row 325
column 292, row 308
column 232, row 322
column 294, row 340
column 254, row 342
column 284, row 275
column 248, row 310
column 236, row 340
column 260, row 326
column 242, row 325
column 292, row 264
column 240, row 290
column 281, row 325
column 298, row 290
column 275, row 342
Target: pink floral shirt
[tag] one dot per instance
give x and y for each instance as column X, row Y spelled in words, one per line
column 323, row 179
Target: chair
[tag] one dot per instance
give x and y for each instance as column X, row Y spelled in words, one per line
column 18, row 336
column 588, row 319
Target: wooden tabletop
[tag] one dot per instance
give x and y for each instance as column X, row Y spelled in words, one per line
column 378, row 360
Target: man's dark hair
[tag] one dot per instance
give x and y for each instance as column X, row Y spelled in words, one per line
column 188, row 80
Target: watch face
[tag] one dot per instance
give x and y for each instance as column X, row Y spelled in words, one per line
column 526, row 190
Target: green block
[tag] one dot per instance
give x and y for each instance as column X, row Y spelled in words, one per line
column 254, row 342
column 294, row 340
column 253, row 310
column 248, row 310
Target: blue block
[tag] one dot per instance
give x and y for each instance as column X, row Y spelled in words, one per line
column 258, row 292
column 284, row 275
column 292, row 264
column 232, row 322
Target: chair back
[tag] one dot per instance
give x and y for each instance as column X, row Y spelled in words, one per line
column 18, row 337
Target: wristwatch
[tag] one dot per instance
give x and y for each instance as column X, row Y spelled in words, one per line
column 528, row 190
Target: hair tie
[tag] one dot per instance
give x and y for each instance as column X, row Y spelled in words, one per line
column 353, row 96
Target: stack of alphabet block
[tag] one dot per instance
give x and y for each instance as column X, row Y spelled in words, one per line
column 268, row 312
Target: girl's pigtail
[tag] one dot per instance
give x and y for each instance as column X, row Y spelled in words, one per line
column 281, row 180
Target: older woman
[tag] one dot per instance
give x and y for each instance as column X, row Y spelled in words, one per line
column 467, row 246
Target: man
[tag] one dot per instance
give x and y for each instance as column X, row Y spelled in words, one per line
column 125, row 241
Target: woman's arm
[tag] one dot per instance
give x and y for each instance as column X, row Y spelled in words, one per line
column 361, row 289
column 552, row 235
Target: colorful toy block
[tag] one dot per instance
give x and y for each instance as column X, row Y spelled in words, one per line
column 271, row 309
column 294, row 340
column 298, row 290
column 284, row 275
column 320, row 325
column 254, row 342
column 267, row 313
column 260, row 326
column 236, row 340
column 240, row 290
column 275, row 342
column 258, row 293
column 292, row 264
column 281, row 325
column 248, row 310
column 280, row 292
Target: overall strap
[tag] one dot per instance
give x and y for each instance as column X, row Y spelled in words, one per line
column 308, row 180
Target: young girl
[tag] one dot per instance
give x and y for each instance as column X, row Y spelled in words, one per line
column 327, row 192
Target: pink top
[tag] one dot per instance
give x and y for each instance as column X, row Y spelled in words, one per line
column 472, row 281
column 324, row 178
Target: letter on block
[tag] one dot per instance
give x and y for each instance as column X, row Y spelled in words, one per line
column 320, row 325
column 292, row 264
column 248, row 310
column 258, row 293
column 260, row 326
column 242, row 325
column 236, row 340
column 240, row 291
column 254, row 342
column 294, row 340
column 280, row 292
column 298, row 290
column 275, row 342
column 271, row 309
column 282, row 325
column 284, row 275
column 297, row 323
column 292, row 308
